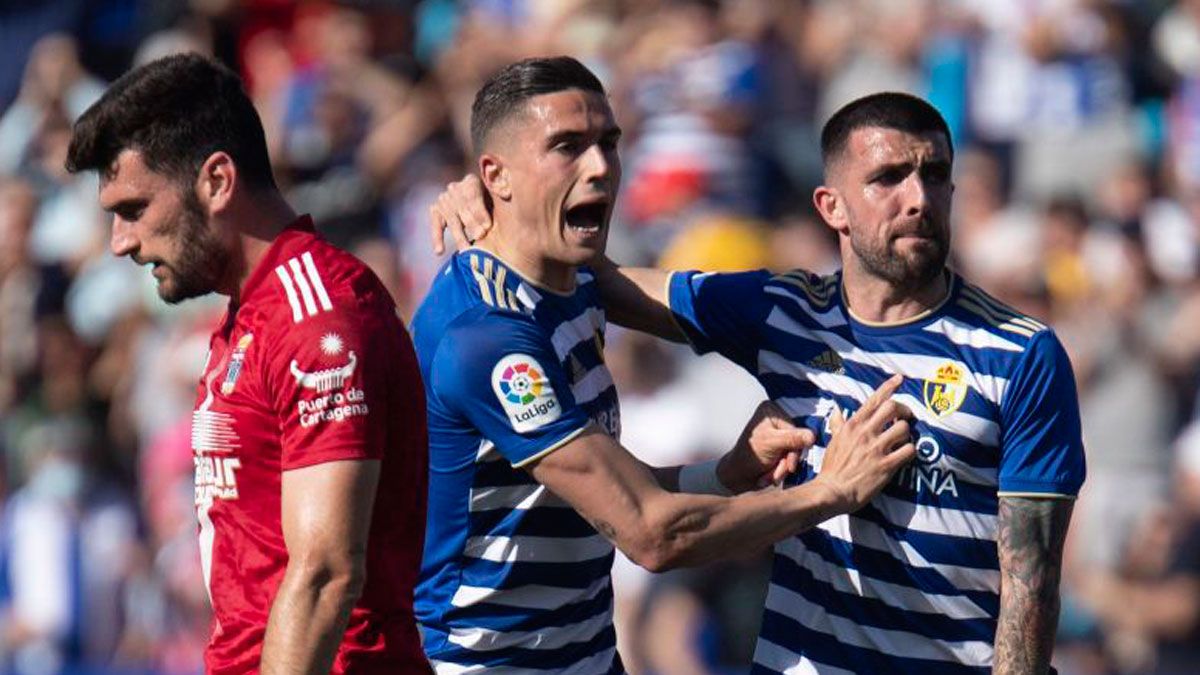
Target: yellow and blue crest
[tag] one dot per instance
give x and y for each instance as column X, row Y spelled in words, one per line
column 946, row 392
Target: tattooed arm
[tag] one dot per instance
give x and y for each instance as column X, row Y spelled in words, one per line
column 1030, row 544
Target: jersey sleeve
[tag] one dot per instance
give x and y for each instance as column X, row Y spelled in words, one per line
column 501, row 374
column 721, row 312
column 329, row 380
column 1041, row 438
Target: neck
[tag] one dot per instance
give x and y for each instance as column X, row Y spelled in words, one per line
column 257, row 220
column 876, row 300
column 522, row 253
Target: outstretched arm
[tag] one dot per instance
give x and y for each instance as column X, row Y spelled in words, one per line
column 1030, row 544
column 660, row 530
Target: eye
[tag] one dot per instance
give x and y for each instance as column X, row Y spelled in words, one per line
column 891, row 176
column 130, row 212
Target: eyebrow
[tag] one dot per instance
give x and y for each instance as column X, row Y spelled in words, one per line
column 126, row 203
column 611, row 133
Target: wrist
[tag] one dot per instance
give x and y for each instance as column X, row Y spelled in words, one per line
column 832, row 500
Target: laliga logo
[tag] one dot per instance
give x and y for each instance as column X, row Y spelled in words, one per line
column 521, row 383
column 324, row 380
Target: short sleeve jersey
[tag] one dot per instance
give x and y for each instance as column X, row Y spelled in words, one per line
column 513, row 577
column 312, row 366
column 910, row 583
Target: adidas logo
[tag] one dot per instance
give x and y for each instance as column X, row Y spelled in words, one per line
column 828, row 361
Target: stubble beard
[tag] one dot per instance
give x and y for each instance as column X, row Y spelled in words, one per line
column 201, row 261
column 911, row 271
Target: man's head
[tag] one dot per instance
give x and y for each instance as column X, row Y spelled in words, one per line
column 546, row 143
column 888, row 186
column 172, row 141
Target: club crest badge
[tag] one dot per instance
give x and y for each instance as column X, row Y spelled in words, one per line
column 946, row 392
column 236, row 360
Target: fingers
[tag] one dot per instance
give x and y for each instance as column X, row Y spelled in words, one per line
column 899, row 433
column 836, row 421
column 468, row 193
column 437, row 228
column 881, row 395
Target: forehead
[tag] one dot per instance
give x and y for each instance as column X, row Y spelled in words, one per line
column 128, row 177
column 569, row 109
column 881, row 145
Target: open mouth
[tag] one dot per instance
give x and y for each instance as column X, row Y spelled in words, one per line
column 586, row 218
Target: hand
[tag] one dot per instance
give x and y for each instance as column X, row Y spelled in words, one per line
column 463, row 209
column 769, row 449
column 866, row 451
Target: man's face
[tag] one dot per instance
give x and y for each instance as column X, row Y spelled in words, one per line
column 158, row 222
column 895, row 187
column 564, row 170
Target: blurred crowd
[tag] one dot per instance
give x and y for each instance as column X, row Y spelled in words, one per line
column 1077, row 132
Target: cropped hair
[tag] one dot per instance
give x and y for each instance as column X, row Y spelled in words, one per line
column 888, row 110
column 175, row 111
column 507, row 91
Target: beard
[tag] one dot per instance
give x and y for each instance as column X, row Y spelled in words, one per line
column 908, row 270
column 201, row 260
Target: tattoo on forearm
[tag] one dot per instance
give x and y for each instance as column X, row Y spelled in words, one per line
column 609, row 532
column 1030, row 545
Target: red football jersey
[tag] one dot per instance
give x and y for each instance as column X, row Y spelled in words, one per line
column 313, row 366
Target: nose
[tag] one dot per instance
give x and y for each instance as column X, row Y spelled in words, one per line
column 122, row 242
column 916, row 195
column 597, row 166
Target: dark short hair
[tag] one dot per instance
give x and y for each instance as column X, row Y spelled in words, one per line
column 506, row 91
column 175, row 111
column 889, row 110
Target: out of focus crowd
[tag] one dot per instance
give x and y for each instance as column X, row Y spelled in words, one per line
column 1077, row 131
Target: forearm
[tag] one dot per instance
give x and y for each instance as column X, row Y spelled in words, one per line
column 1026, row 627
column 689, row 530
column 307, row 621
column 636, row 298
column 1029, row 545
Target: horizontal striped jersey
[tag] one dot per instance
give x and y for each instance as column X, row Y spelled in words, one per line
column 513, row 578
column 910, row 583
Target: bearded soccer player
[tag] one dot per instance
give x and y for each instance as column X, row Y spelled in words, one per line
column 954, row 567
column 309, row 428
column 530, row 489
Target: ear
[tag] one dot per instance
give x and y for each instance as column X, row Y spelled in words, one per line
column 495, row 176
column 829, row 204
column 216, row 182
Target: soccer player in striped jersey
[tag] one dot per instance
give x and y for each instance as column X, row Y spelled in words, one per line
column 529, row 487
column 954, row 567
column 309, row 428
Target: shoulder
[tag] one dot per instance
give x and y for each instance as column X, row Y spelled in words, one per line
column 814, row 290
column 318, row 282
column 981, row 311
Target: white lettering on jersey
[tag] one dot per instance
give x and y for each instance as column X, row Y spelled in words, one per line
column 525, row 392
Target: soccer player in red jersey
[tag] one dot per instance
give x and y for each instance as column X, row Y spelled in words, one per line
column 309, row 430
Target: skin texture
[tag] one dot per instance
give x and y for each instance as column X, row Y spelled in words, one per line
column 559, row 152
column 1030, row 544
column 660, row 530
column 887, row 195
column 156, row 221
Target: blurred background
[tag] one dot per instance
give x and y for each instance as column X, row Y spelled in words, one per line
column 1077, row 126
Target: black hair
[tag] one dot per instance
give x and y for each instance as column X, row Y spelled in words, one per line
column 176, row 111
column 889, row 110
column 508, row 90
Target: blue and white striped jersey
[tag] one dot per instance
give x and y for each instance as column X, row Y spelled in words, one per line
column 513, row 579
column 910, row 583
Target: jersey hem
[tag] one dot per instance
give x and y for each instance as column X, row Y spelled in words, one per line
column 551, row 448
